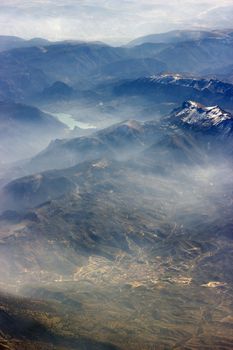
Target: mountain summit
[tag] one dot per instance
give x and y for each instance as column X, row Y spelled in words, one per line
column 198, row 116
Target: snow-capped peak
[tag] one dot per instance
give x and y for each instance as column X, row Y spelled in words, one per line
column 166, row 78
column 195, row 114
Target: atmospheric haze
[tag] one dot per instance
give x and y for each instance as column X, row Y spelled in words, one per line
column 108, row 20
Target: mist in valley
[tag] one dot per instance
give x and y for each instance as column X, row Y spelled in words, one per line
column 116, row 176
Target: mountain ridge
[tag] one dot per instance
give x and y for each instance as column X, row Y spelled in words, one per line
column 176, row 36
column 204, row 118
column 21, row 125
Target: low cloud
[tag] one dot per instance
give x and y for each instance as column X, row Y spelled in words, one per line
column 107, row 19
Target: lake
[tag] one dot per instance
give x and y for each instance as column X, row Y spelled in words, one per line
column 71, row 122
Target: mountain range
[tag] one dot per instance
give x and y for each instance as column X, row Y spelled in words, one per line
column 178, row 36
column 25, row 72
column 116, row 193
column 147, row 200
column 194, row 131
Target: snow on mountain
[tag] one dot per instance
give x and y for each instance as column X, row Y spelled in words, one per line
column 200, row 84
column 196, row 115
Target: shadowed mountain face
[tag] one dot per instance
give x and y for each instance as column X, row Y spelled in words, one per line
column 118, row 141
column 58, row 90
column 24, row 130
column 31, row 327
column 27, row 71
column 173, row 89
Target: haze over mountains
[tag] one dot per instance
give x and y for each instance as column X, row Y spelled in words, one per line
column 178, row 36
column 14, row 42
column 24, row 130
column 25, row 72
column 116, row 193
